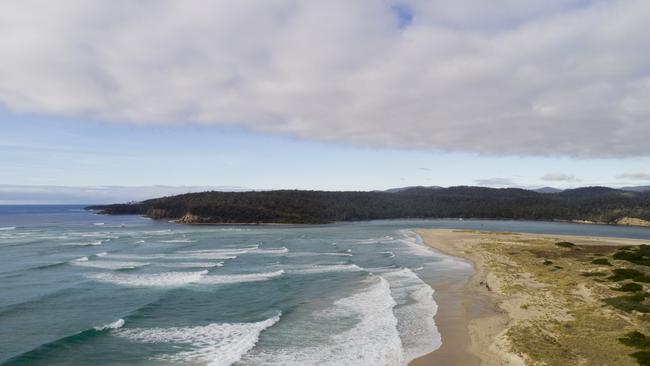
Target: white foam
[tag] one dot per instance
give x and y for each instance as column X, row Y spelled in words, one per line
column 164, row 279
column 371, row 338
column 315, row 254
column 114, row 325
column 110, row 264
column 82, row 259
column 101, row 254
column 99, row 224
column 86, row 244
column 415, row 312
column 207, row 256
column 192, row 264
column 312, row 269
column 281, row 250
column 217, row 344
column 389, row 254
column 178, row 241
column 239, row 278
column 7, row 228
column 414, row 245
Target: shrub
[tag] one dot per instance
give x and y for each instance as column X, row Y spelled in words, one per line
column 624, row 274
column 636, row 339
column 565, row 244
column 642, row 357
column 602, row 261
column 547, row 262
column 629, row 303
column 593, row 274
column 630, row 287
column 644, row 279
column 639, row 255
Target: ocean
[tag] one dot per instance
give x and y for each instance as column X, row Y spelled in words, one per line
column 77, row 288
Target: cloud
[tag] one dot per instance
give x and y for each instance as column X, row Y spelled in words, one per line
column 495, row 182
column 565, row 77
column 44, row 194
column 635, row 176
column 559, row 177
column 425, row 169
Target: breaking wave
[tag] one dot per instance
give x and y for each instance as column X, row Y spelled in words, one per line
column 110, row 264
column 114, row 325
column 239, row 278
column 372, row 338
column 217, row 344
column 164, row 279
column 312, row 269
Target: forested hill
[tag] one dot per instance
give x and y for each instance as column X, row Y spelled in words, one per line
column 597, row 204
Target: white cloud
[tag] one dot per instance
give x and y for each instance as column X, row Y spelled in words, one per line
column 635, row 176
column 563, row 77
column 559, row 177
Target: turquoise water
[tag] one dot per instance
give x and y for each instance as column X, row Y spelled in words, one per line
column 83, row 289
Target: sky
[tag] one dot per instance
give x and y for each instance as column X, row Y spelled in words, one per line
column 118, row 100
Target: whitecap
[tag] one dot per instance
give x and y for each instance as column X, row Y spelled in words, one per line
column 164, row 279
column 99, row 224
column 192, row 264
column 217, row 344
column 415, row 312
column 178, row 241
column 281, row 250
column 312, row 269
column 367, row 334
column 239, row 278
column 114, row 325
column 101, row 254
column 313, row 254
column 389, row 254
column 110, row 264
column 82, row 259
column 7, row 228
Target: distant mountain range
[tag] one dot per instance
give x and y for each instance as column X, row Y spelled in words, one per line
column 589, row 204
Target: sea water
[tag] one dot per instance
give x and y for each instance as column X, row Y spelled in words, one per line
column 78, row 288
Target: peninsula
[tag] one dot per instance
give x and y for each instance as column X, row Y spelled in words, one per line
column 586, row 205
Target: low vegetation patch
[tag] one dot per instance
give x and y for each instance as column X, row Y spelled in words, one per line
column 601, row 261
column 593, row 274
column 640, row 341
column 620, row 274
column 638, row 255
column 565, row 244
column 630, row 303
column 630, row 287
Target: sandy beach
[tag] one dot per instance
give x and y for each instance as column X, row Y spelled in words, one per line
column 518, row 309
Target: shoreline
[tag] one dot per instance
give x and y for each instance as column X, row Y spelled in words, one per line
column 466, row 331
column 490, row 310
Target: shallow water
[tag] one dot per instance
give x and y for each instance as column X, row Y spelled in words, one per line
column 79, row 288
